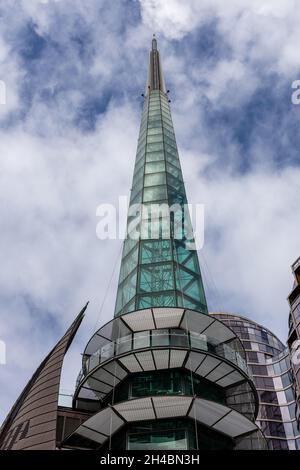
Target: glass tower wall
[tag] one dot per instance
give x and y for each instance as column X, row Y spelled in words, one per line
column 158, row 268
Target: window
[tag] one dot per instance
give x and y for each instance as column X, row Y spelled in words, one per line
column 157, row 383
column 156, row 147
column 155, row 193
column 154, row 278
column 154, row 167
column 179, row 338
column 166, row 440
column 264, row 336
column 107, row 351
column 252, row 357
column 155, row 179
column 273, row 429
column 296, row 313
column 124, row 344
column 268, row 397
column 152, row 139
column 160, row 338
column 289, row 395
column 277, row 369
column 155, row 251
column 276, row 444
column 166, row 299
column 286, row 380
column 259, row 370
column 141, row 340
column 270, row 412
column 198, row 341
column 154, row 156
column 264, row 382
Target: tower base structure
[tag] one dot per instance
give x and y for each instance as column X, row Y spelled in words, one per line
column 165, row 379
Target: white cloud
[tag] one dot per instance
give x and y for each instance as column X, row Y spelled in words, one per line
column 264, row 30
column 53, row 262
column 251, row 241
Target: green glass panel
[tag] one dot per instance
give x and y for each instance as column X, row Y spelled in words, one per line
column 155, row 179
column 129, row 263
column 154, row 278
column 156, row 222
column 156, row 193
column 154, row 167
column 137, row 186
column 167, row 126
column 139, row 165
column 168, row 133
column 172, row 170
column 187, row 258
column 126, row 290
column 171, row 142
column 171, row 150
column 155, row 131
column 176, row 184
column 151, row 139
column 155, row 123
column 154, row 112
column 129, row 307
column 139, row 173
column 136, row 199
column 129, row 244
column 188, row 283
column 154, row 156
column 158, row 179
column 158, row 300
column 171, row 159
column 166, row 120
column 140, row 153
column 160, row 338
column 141, row 340
column 157, row 147
column 155, row 251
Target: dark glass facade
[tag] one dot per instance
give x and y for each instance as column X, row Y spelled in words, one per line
column 170, row 435
column 168, row 382
column 294, row 334
column 270, row 365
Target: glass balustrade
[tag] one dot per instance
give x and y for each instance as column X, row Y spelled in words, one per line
column 162, row 338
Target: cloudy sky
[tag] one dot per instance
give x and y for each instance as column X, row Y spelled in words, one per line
column 74, row 72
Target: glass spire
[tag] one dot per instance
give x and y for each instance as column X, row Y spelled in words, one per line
column 158, row 268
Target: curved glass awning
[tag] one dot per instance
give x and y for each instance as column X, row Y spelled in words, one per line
column 105, row 341
column 95, row 431
column 100, row 382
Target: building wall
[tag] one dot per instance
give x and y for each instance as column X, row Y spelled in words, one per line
column 294, row 334
column 269, row 363
column 32, row 422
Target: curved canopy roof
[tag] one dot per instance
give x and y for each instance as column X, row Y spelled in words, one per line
column 156, row 318
column 95, row 431
column 104, row 378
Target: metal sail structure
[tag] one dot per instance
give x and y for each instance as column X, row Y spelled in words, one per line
column 158, row 266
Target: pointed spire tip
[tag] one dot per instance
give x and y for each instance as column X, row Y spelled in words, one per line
column 154, row 43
